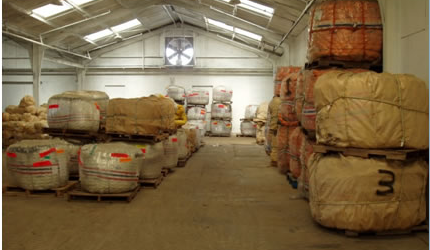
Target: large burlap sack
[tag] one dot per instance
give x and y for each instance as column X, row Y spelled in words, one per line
column 171, row 152
column 197, row 96
column 73, row 111
column 248, row 128
column 13, row 109
column 183, row 150
column 282, row 73
column 109, row 168
column 361, row 194
column 196, row 113
column 38, row 164
column 221, row 128
column 251, row 112
column 288, row 87
column 273, row 110
column 261, row 113
column 222, row 94
column 371, row 110
column 145, row 116
column 177, row 93
column 221, row 111
column 345, row 30
column 296, row 141
column 152, row 163
column 5, row 117
column 260, row 133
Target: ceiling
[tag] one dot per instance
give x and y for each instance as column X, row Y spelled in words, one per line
column 65, row 32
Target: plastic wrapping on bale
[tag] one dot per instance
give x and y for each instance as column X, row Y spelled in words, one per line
column 152, row 163
column 295, row 143
column 196, row 113
column 72, row 151
column 73, row 111
column 99, row 97
column 177, row 93
column 38, row 164
column 221, row 111
column 197, row 96
column 199, row 125
column 371, row 110
column 144, row 116
column 183, row 150
column 248, row 128
column 222, row 94
column 345, row 30
column 208, row 118
column 171, row 152
column 109, row 168
column 251, row 112
column 221, row 128
column 359, row 194
column 193, row 136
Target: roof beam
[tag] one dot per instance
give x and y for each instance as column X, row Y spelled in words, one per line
column 63, row 62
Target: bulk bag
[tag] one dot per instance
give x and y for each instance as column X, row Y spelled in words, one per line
column 183, row 151
column 220, row 127
column 99, row 97
column 152, row 163
column 371, row 110
column 177, row 93
column 142, row 116
column 261, row 113
column 198, row 96
column 73, row 110
column 109, row 168
column 38, row 164
column 196, row 113
column 199, row 125
column 222, row 94
column 359, row 194
column 251, row 112
column 221, row 111
column 248, row 128
column 171, row 152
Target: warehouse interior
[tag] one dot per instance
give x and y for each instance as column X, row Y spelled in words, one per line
column 229, row 195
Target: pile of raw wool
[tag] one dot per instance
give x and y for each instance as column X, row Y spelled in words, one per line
column 24, row 121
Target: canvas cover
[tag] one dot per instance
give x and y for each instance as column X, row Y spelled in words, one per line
column 371, row 110
column 360, row 194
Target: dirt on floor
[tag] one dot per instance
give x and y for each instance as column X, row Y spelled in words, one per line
column 226, row 197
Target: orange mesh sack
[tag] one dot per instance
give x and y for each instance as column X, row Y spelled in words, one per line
column 347, row 30
column 295, row 142
column 288, row 87
column 306, row 152
column 287, row 115
column 284, row 155
column 282, row 73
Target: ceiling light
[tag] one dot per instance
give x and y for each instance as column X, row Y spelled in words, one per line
column 97, row 35
column 248, row 34
column 126, row 25
column 256, row 7
column 220, row 24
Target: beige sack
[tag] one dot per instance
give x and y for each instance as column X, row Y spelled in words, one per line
column 261, row 113
column 27, row 101
column 171, row 152
column 362, row 110
column 5, row 117
column 343, row 192
column 145, row 116
column 31, row 109
column 152, row 163
column 27, row 117
column 273, row 110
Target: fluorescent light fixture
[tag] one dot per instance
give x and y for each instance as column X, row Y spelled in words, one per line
column 220, row 24
column 97, row 35
column 256, row 7
column 80, row 2
column 248, row 34
column 126, row 25
column 51, row 9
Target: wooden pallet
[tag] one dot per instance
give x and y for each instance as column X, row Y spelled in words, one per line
column 196, row 105
column 219, row 102
column 390, row 154
column 420, row 228
column 138, row 138
column 73, row 177
column 326, row 63
column 183, row 162
column 215, row 135
column 153, row 182
column 57, row 192
column 76, row 134
column 240, row 135
column 221, row 119
column 79, row 194
column 166, row 171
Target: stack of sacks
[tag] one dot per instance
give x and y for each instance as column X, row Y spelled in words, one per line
column 260, row 120
column 281, row 74
column 248, row 127
column 38, row 164
column 153, row 116
column 177, row 93
column 369, row 111
column 109, row 168
column 196, row 117
column 25, row 121
column 221, row 111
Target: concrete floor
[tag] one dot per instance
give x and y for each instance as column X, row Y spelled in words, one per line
column 225, row 198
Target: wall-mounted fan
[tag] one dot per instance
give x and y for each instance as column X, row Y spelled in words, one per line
column 179, row 51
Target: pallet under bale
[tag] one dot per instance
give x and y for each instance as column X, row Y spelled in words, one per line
column 419, row 228
column 79, row 194
column 152, row 182
column 9, row 190
column 325, row 63
column 139, row 138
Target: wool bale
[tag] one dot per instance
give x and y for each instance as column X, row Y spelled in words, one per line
column 27, row 101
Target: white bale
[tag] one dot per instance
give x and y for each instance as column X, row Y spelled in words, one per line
column 182, row 144
column 72, row 150
column 199, row 125
column 251, row 112
column 198, row 96
column 152, row 164
column 177, row 93
column 101, row 99
column 171, row 152
column 222, row 94
column 221, row 111
column 73, row 111
column 109, row 168
column 38, row 164
column 196, row 113
column 220, row 127
column 208, row 118
column 248, row 128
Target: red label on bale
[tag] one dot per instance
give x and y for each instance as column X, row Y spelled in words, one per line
column 207, row 93
column 42, row 164
column 97, row 106
column 223, row 90
column 47, row 152
column 143, row 150
column 220, row 106
column 119, row 155
column 12, row 155
column 53, row 106
column 174, row 139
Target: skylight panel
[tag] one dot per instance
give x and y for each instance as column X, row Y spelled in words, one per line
column 126, row 25
column 80, row 2
column 220, row 24
column 256, row 7
column 51, row 9
column 97, row 35
column 248, row 34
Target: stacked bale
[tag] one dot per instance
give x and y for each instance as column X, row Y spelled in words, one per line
column 152, row 163
column 177, row 93
column 221, row 111
column 25, row 121
column 260, row 120
column 171, row 152
column 369, row 111
column 247, row 126
column 196, row 109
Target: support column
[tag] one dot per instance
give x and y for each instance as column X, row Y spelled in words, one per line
column 36, row 56
column 80, row 75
